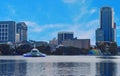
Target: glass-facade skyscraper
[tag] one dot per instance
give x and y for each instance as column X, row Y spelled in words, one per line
column 107, row 30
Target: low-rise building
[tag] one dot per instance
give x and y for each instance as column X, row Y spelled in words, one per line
column 78, row 43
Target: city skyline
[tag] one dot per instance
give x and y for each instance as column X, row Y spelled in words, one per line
column 46, row 18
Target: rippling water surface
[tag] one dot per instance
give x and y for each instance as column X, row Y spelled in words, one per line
column 60, row 66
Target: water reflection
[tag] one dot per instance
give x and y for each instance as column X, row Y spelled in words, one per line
column 61, row 69
column 72, row 69
column 12, row 68
column 37, row 69
column 106, row 69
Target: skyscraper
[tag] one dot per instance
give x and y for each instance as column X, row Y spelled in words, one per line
column 7, row 31
column 64, row 36
column 22, row 31
column 10, row 31
column 107, row 29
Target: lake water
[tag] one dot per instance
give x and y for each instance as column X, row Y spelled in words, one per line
column 60, row 66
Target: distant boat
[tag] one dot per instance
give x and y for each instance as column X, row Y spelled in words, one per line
column 34, row 53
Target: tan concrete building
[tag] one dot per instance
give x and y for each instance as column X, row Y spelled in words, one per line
column 79, row 43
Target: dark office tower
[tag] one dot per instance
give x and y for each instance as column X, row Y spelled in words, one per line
column 64, row 36
column 7, row 31
column 106, row 32
column 22, row 31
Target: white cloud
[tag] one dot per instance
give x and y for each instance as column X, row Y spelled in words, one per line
column 92, row 24
column 35, row 27
column 31, row 23
column 11, row 9
column 116, row 18
column 69, row 1
column 87, row 30
column 93, row 11
column 84, row 14
column 83, row 1
column 118, row 36
column 118, row 30
column 46, row 26
column 118, row 27
column 83, row 11
column 74, row 1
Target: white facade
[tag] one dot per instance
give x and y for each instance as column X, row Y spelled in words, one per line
column 17, row 37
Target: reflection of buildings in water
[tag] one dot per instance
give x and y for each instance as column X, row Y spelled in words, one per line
column 12, row 68
column 74, row 69
column 20, row 68
column 41, row 69
column 118, row 69
column 106, row 69
column 61, row 69
column 49, row 69
column 37, row 69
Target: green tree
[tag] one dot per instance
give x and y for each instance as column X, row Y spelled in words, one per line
column 72, row 51
column 108, row 47
column 59, row 51
column 44, row 49
column 101, row 46
column 67, row 51
column 113, row 48
column 84, row 51
column 5, row 49
column 23, row 49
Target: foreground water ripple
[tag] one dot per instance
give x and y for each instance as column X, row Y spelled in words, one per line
column 60, row 66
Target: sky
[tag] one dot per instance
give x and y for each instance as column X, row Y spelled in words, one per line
column 45, row 18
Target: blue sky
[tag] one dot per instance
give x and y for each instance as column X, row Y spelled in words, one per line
column 45, row 18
